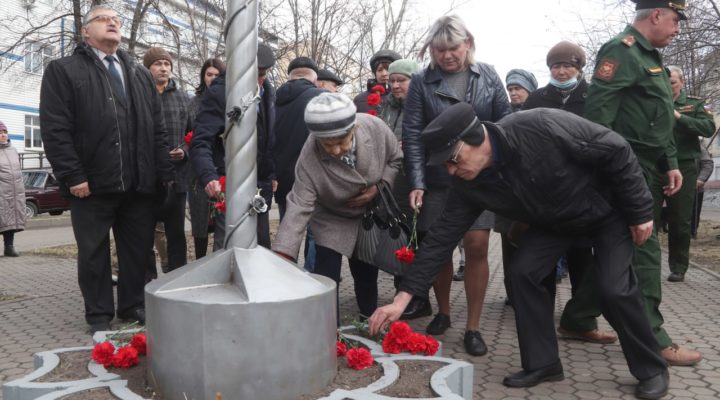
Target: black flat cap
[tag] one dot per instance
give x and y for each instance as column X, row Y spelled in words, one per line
column 265, row 56
column 327, row 75
column 302, row 62
column 457, row 122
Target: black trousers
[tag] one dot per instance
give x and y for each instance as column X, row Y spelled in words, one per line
column 172, row 215
column 329, row 262
column 129, row 215
column 263, row 230
column 618, row 291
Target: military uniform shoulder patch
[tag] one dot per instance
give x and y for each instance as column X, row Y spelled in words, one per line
column 629, row 40
column 606, row 69
column 655, row 70
column 694, row 97
column 686, row 109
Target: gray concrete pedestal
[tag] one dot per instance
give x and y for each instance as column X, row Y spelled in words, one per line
column 244, row 323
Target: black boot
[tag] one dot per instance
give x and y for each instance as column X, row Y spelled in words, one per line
column 201, row 245
column 460, row 274
column 10, row 251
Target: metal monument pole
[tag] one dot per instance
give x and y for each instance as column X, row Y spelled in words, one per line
column 241, row 322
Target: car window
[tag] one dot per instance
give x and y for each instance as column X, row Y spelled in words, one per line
column 35, row 179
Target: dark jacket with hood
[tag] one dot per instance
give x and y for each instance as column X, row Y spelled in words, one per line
column 552, row 97
column 428, row 96
column 207, row 150
column 115, row 143
column 551, row 169
column 290, row 129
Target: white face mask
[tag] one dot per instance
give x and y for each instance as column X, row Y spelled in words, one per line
column 568, row 84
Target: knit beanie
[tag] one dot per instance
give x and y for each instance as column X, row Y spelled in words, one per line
column 404, row 66
column 566, row 52
column 3, row 127
column 330, row 115
column 522, row 78
column 156, row 53
column 382, row 56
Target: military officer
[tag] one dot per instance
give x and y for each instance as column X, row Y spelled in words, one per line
column 630, row 93
column 691, row 121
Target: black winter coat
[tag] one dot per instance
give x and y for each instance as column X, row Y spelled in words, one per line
column 81, row 130
column 427, row 97
column 361, row 99
column 550, row 97
column 551, row 169
column 290, row 129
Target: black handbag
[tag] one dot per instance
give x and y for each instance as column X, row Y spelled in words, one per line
column 383, row 230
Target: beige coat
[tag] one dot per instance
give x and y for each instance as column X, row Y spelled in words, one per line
column 12, row 191
column 324, row 184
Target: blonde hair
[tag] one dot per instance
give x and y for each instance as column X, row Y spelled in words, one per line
column 448, row 31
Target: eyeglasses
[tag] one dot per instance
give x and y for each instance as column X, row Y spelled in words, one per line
column 106, row 18
column 454, row 159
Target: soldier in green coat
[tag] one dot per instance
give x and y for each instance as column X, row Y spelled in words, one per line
column 691, row 121
column 630, row 93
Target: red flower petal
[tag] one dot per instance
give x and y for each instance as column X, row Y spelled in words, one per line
column 222, row 183
column 102, row 353
column 139, row 343
column 359, row 358
column 373, row 99
column 340, row 348
column 373, row 113
column 188, row 138
column 379, row 89
column 125, row 357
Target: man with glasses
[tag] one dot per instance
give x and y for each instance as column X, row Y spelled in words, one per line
column 570, row 180
column 105, row 138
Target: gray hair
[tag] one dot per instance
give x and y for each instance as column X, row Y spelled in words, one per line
column 92, row 11
column 678, row 70
column 448, row 31
column 303, row 73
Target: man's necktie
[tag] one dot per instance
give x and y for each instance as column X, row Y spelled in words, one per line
column 115, row 80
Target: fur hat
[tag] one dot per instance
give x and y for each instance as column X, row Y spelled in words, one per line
column 330, row 115
column 156, row 53
column 265, row 56
column 566, row 52
column 302, row 62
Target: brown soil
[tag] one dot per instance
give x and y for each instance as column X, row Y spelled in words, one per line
column 348, row 379
column 414, row 381
column 72, row 367
column 92, row 394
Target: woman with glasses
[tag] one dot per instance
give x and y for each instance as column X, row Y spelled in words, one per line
column 342, row 161
column 453, row 76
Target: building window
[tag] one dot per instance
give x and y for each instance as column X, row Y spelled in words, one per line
column 37, row 57
column 32, row 131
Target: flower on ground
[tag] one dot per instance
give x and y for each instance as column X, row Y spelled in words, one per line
column 359, row 358
column 102, row 353
column 125, row 357
column 139, row 343
column 432, row 346
column 341, row 349
column 401, row 338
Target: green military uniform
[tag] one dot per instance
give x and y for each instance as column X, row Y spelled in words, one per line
column 630, row 93
column 694, row 121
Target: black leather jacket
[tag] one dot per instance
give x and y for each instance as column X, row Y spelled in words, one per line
column 554, row 170
column 427, row 97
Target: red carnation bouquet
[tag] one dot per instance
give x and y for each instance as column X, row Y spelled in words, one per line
column 357, row 357
column 219, row 205
column 115, row 353
column 406, row 254
column 375, row 98
column 402, row 338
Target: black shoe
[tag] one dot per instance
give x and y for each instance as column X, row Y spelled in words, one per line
column 418, row 307
column 460, row 274
column 551, row 373
column 438, row 325
column 474, row 343
column 11, row 252
column 674, row 277
column 137, row 314
column 653, row 388
column 99, row 327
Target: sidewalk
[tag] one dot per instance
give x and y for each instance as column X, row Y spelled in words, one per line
column 48, row 314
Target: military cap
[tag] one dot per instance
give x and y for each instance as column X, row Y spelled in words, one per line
column 457, row 122
column 382, row 56
column 676, row 5
column 302, row 62
column 327, row 75
column 265, row 56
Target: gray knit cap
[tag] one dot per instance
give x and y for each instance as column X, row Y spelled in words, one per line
column 330, row 115
column 403, row 66
column 522, row 78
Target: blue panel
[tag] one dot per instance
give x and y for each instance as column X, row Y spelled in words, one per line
column 20, row 108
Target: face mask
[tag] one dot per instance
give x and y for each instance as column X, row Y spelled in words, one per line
column 568, row 84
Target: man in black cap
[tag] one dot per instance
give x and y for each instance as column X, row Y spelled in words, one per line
column 379, row 64
column 207, row 151
column 328, row 80
column 570, row 180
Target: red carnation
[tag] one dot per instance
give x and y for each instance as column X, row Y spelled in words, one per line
column 390, row 345
column 379, row 89
column 188, row 138
column 359, row 358
column 405, row 254
column 432, row 346
column 139, row 343
column 400, row 328
column 416, row 343
column 125, row 357
column 373, row 113
column 222, row 183
column 220, row 206
column 340, row 348
column 102, row 353
column 373, row 99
